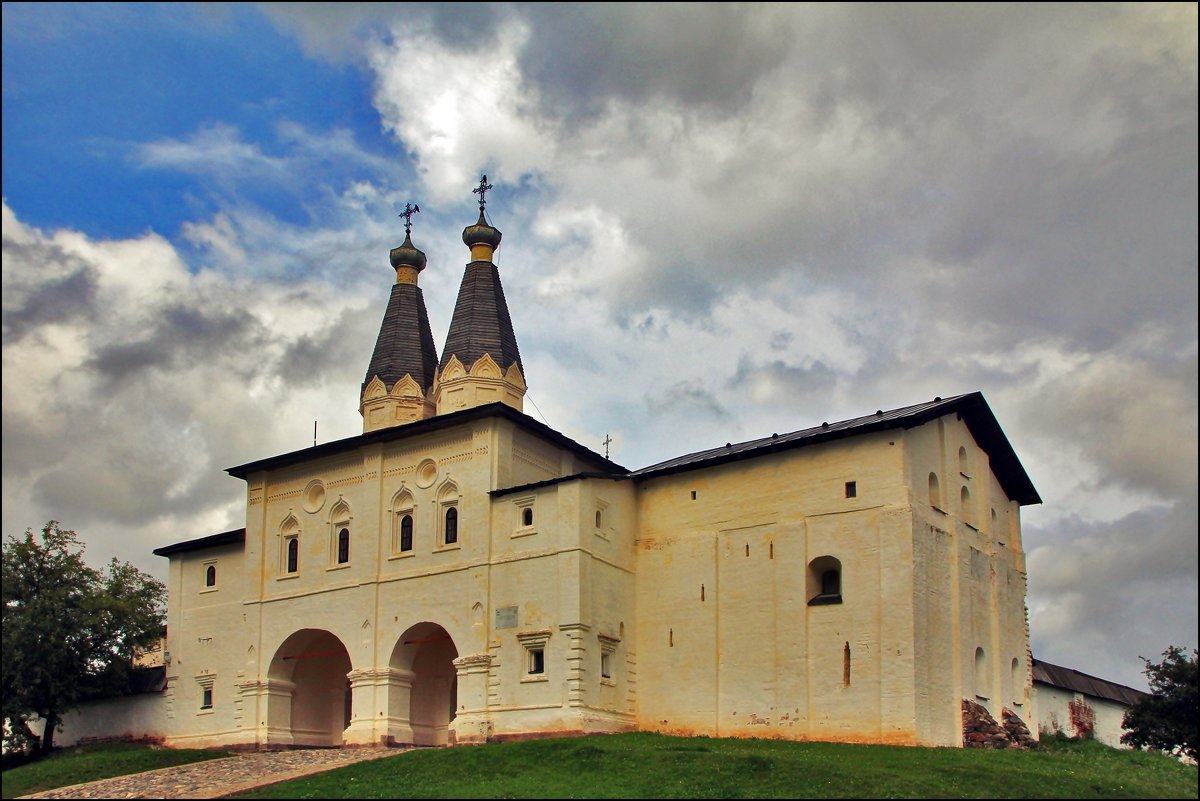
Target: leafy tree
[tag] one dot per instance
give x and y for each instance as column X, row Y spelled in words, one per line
column 70, row 631
column 1169, row 718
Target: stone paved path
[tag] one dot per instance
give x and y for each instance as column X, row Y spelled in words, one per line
column 220, row 777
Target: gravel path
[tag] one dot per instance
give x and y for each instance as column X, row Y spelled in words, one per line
column 220, row 777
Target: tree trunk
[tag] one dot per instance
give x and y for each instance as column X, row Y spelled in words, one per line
column 48, row 733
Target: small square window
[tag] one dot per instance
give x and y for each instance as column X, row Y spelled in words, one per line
column 534, row 643
column 608, row 646
column 851, row 489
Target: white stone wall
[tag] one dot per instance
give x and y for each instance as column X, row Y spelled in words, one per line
column 971, row 637
column 1055, row 714
column 128, row 717
column 691, row 591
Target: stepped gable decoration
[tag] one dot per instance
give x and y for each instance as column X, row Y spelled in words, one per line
column 404, row 348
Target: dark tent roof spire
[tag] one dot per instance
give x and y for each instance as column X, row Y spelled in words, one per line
column 405, row 344
column 480, row 328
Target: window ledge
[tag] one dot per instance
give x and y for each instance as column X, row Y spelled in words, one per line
column 338, row 567
column 968, row 525
column 209, row 589
column 288, row 576
column 207, row 711
column 452, row 547
column 825, row 600
column 524, row 532
column 938, row 509
column 601, row 534
column 403, row 555
column 608, row 683
column 534, row 679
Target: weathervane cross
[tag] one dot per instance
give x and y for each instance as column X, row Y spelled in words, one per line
column 481, row 190
column 409, row 211
column 607, row 442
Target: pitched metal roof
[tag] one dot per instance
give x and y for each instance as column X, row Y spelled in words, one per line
column 481, row 323
column 238, row 535
column 420, row 427
column 405, row 343
column 971, row 407
column 1071, row 679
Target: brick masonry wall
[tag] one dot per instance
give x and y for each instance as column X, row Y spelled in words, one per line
column 980, row 729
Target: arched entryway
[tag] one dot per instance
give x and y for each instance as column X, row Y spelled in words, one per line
column 309, row 701
column 425, row 655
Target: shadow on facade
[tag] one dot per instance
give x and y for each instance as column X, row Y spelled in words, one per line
column 424, row 700
column 309, row 701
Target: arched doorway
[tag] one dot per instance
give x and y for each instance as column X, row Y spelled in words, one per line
column 310, row 694
column 426, row 653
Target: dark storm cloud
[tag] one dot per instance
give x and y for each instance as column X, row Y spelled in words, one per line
column 336, row 30
column 32, row 299
column 783, row 380
column 687, row 397
column 179, row 336
column 580, row 56
column 332, row 356
column 1088, row 240
column 1136, row 574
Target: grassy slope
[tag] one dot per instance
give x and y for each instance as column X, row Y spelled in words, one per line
column 91, row 762
column 654, row 766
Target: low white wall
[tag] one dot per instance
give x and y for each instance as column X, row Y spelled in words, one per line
column 1054, row 714
column 127, row 717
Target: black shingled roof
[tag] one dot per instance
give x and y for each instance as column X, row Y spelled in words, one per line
column 971, row 407
column 426, row 426
column 405, row 343
column 481, row 323
column 238, row 535
column 1073, row 680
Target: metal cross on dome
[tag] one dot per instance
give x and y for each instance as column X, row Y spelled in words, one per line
column 409, row 211
column 481, row 190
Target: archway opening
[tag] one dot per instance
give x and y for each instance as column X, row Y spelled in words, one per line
column 427, row 653
column 311, row 700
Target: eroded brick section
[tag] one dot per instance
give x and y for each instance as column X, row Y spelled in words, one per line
column 980, row 729
column 1018, row 732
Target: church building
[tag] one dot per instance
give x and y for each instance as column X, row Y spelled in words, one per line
column 461, row 573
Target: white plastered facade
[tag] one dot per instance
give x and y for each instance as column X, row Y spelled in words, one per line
column 678, row 603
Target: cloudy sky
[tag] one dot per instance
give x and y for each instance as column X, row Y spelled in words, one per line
column 720, row 222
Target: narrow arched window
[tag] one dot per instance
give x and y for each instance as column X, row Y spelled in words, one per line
column 962, row 462
column 406, row 532
column 343, row 546
column 451, row 525
column 965, row 501
column 824, row 581
column 527, row 516
column 935, row 491
column 981, row 682
column 210, row 576
column 293, row 555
